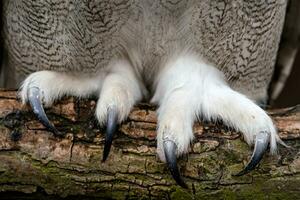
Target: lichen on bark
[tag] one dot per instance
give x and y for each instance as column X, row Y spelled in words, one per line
column 33, row 160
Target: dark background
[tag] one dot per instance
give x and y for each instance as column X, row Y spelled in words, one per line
column 290, row 39
column 290, row 94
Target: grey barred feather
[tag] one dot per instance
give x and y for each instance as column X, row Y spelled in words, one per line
column 240, row 37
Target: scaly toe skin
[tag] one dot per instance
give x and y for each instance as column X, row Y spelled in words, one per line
column 34, row 98
column 261, row 144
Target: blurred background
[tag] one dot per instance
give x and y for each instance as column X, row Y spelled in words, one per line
column 290, row 94
column 284, row 89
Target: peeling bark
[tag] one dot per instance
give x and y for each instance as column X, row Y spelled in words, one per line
column 35, row 162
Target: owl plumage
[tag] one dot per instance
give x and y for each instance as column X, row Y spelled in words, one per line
column 208, row 59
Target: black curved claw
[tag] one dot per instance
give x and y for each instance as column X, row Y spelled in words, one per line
column 112, row 119
column 170, row 153
column 34, row 97
column 261, row 145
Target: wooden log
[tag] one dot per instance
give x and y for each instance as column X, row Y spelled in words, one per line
column 34, row 162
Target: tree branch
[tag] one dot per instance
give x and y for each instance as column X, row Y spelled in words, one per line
column 34, row 161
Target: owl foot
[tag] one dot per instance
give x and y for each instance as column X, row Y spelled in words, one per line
column 117, row 87
column 44, row 87
column 190, row 88
column 120, row 91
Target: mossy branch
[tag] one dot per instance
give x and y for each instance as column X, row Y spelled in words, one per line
column 33, row 161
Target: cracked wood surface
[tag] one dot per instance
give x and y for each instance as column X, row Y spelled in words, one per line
column 35, row 162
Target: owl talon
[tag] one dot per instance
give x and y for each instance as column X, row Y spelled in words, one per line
column 34, row 97
column 112, row 119
column 170, row 154
column 260, row 147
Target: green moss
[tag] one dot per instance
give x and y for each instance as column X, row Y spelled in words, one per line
column 180, row 194
column 260, row 188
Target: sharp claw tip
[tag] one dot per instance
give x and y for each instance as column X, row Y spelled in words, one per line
column 241, row 173
column 58, row 133
column 170, row 153
column 260, row 148
column 179, row 180
column 107, row 146
column 105, row 155
column 183, row 185
column 111, row 128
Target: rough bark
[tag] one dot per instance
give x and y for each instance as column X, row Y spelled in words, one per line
column 33, row 161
